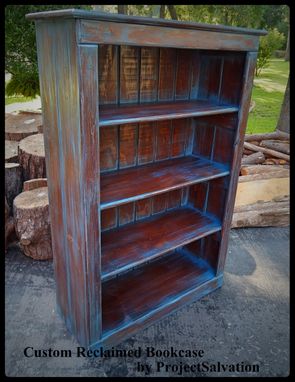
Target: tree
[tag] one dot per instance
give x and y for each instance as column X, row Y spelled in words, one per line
column 287, row 54
column 284, row 120
column 123, row 9
column 20, row 48
column 268, row 44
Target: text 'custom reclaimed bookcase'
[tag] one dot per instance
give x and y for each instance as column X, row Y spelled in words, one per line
column 144, row 122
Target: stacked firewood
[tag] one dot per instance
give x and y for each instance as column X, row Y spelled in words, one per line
column 263, row 189
column 26, row 196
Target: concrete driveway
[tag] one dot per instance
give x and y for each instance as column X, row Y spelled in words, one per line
column 246, row 321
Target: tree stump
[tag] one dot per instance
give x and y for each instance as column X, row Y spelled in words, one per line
column 9, row 226
column 32, row 223
column 11, row 151
column 21, row 125
column 13, row 181
column 32, row 157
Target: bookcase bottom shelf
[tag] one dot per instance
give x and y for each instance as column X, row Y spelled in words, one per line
column 145, row 294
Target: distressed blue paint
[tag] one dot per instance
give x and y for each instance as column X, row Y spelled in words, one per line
column 145, row 112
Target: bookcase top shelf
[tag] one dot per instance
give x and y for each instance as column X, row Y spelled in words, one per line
column 111, row 17
column 131, row 113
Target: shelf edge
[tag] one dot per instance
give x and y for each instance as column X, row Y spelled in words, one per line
column 216, row 226
column 152, row 118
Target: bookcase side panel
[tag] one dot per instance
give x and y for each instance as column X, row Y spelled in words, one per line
column 247, row 82
column 69, row 94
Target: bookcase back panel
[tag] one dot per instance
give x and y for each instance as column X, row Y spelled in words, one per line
column 214, row 137
column 131, row 74
column 129, row 145
column 206, row 248
column 142, row 209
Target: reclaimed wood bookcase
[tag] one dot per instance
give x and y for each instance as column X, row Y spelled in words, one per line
column 144, row 121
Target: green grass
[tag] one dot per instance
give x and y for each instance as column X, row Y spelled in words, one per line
column 10, row 100
column 268, row 93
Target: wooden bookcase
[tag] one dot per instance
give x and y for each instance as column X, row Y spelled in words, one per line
column 144, row 122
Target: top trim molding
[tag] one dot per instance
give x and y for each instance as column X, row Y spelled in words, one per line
column 104, row 16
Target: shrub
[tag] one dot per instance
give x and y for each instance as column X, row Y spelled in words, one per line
column 268, row 44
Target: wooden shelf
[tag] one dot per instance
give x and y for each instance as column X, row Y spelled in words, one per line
column 141, row 292
column 131, row 113
column 137, row 183
column 131, row 245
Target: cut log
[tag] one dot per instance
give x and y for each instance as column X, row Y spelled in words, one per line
column 276, row 214
column 13, row 181
column 32, row 224
column 281, row 146
column 252, row 189
column 283, row 173
column 263, row 150
column 21, row 125
column 254, row 159
column 260, row 137
column 275, row 161
column 11, row 151
column 34, row 183
column 261, row 169
column 32, row 157
column 248, row 152
column 9, row 226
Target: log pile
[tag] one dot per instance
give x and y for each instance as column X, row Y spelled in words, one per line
column 24, row 162
column 263, row 189
column 21, row 125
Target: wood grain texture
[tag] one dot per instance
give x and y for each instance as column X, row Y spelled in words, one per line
column 138, row 183
column 109, row 150
column 108, row 74
column 94, row 32
column 126, row 299
column 72, row 161
column 248, row 76
column 129, row 74
column 167, row 70
column 134, row 244
column 120, row 114
column 148, row 74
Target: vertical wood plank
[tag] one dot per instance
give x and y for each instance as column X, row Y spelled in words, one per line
column 126, row 213
column 128, row 145
column 148, row 74
column 203, row 139
column 143, row 208
column 163, row 139
column 179, row 135
column 129, row 74
column 146, row 142
column 183, row 74
column 195, row 75
column 248, row 76
column 210, row 76
column 232, row 76
column 108, row 74
column 197, row 195
column 223, row 144
column 108, row 219
column 167, row 68
column 174, row 199
column 70, row 110
column 160, row 203
column 109, row 148
column 89, row 181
